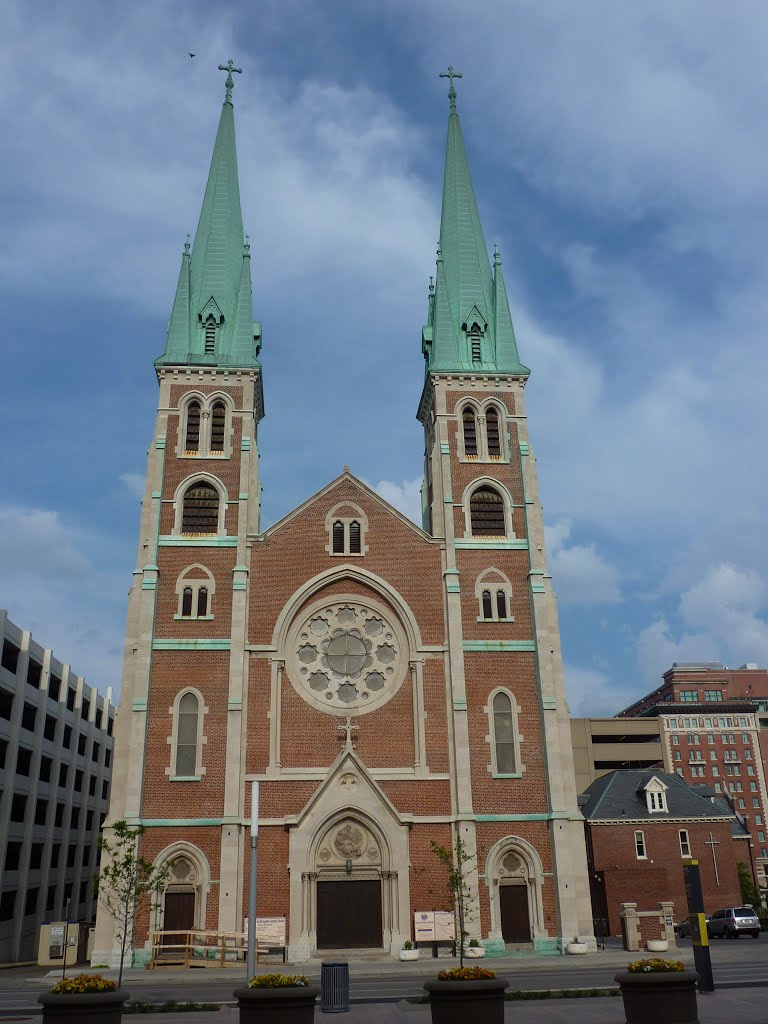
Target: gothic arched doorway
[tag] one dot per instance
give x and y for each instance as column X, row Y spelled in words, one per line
column 348, row 888
column 515, row 877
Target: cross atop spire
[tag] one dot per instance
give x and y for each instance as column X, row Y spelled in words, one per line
column 229, row 67
column 451, row 74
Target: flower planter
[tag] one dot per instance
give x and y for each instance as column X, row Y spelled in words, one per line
column 659, row 997
column 292, row 1005
column 474, row 952
column 73, row 1007
column 456, row 1002
column 576, row 948
column 409, row 954
column 657, row 945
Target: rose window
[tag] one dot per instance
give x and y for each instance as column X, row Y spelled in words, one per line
column 346, row 657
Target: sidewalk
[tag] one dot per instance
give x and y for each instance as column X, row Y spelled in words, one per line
column 726, row 1007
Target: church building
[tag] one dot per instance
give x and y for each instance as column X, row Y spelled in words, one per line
column 387, row 684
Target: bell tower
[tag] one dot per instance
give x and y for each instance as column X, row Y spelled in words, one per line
column 179, row 724
column 512, row 746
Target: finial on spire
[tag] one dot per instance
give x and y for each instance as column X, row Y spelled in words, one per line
column 431, row 285
column 496, row 256
column 186, row 247
column 247, row 246
column 439, row 253
column 451, row 74
column 230, row 82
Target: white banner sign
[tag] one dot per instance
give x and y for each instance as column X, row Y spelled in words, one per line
column 270, row 931
column 433, row 926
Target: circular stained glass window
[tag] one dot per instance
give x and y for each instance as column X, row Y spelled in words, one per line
column 355, row 655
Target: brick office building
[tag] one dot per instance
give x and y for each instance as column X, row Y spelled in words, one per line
column 387, row 684
column 641, row 826
column 712, row 734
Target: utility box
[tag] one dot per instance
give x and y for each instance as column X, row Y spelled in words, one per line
column 54, row 939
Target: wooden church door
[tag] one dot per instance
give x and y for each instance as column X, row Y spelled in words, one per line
column 515, row 922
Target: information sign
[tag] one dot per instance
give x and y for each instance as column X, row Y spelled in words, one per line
column 445, row 927
column 56, row 942
column 424, row 926
column 270, row 931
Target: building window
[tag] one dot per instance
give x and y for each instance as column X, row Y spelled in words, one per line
column 186, row 736
column 675, row 740
column 656, row 797
column 195, row 588
column 640, row 845
column 504, row 737
column 689, row 695
column 685, row 843
column 218, row 425
column 713, row 695
column 201, row 510
column 486, row 513
column 347, row 526
column 492, row 433
column 486, row 606
column 469, row 424
column 494, row 593
column 678, row 756
column 192, row 443
column 10, row 656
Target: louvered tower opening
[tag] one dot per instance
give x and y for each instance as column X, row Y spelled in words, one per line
column 354, row 538
column 474, row 342
column 470, row 432
column 192, row 443
column 486, row 513
column 493, row 433
column 201, row 510
column 338, row 538
column 218, row 423
column 210, row 336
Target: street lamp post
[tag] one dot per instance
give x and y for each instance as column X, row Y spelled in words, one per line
column 252, row 880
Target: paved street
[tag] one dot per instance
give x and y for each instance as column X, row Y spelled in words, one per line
column 738, row 967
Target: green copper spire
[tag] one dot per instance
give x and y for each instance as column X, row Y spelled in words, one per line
column 211, row 323
column 470, row 327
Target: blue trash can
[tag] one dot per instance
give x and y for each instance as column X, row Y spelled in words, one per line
column 334, row 987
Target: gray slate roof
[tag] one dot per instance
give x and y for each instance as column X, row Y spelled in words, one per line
column 739, row 828
column 620, row 795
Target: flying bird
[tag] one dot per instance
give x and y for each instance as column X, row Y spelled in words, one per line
column 191, row 54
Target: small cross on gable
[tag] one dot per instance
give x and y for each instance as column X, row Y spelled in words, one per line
column 347, row 727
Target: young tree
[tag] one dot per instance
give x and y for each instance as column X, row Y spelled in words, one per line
column 455, row 861
column 749, row 893
column 124, row 879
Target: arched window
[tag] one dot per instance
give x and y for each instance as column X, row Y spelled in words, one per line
column 202, row 602
column 504, row 734
column 192, row 443
column 218, row 423
column 487, row 605
column 186, row 735
column 354, row 538
column 486, row 513
column 201, row 509
column 210, row 336
column 186, row 602
column 501, row 604
column 470, row 431
column 338, row 538
column 474, row 342
column 195, row 588
column 492, row 433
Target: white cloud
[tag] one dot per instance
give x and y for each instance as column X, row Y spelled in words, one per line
column 580, row 575
column 593, row 693
column 34, row 542
column 135, row 483
column 405, row 496
column 722, row 621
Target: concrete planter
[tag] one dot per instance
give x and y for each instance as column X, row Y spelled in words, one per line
column 409, row 954
column 659, row 997
column 657, row 945
column 294, row 1005
column 576, row 948
column 74, row 1007
column 474, row 952
column 456, row 1002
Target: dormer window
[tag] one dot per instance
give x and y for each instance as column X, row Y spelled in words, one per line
column 656, row 796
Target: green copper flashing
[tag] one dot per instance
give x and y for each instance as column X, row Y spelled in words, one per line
column 499, row 645
column 171, row 541
column 513, row 544
column 191, row 645
column 212, row 318
column 469, row 326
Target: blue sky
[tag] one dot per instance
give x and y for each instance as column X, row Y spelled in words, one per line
column 619, row 157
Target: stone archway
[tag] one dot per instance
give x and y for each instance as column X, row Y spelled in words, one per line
column 182, row 903
column 515, row 876
column 348, row 834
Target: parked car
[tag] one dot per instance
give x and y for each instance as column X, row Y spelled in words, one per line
column 734, row 922
column 686, row 926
